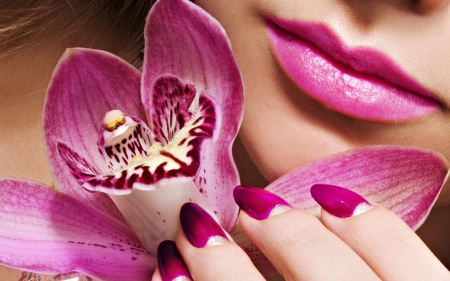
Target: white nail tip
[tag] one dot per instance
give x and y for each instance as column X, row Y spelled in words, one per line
column 361, row 208
column 182, row 278
column 279, row 209
column 216, row 240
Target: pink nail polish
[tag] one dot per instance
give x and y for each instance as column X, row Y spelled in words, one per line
column 199, row 227
column 338, row 201
column 256, row 202
column 170, row 262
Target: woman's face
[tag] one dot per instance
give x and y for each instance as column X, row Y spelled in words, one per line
column 285, row 126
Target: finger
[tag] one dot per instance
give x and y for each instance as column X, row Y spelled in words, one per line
column 171, row 265
column 156, row 276
column 208, row 252
column 381, row 238
column 297, row 243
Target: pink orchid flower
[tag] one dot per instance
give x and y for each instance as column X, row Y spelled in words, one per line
column 192, row 94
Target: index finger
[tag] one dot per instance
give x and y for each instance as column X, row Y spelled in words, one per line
column 209, row 253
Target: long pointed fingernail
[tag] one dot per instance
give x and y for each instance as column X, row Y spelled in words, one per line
column 338, row 201
column 258, row 203
column 200, row 228
column 170, row 263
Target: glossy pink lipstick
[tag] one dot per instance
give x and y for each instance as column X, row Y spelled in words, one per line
column 358, row 82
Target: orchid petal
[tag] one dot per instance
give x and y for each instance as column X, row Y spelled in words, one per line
column 85, row 85
column 49, row 232
column 171, row 100
column 80, row 168
column 195, row 48
column 177, row 162
column 405, row 180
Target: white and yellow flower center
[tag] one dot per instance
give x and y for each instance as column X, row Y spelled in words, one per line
column 152, row 172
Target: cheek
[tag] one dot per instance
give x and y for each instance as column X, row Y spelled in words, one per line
column 274, row 124
column 278, row 118
column 283, row 127
column 23, row 81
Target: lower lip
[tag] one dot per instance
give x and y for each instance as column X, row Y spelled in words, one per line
column 341, row 88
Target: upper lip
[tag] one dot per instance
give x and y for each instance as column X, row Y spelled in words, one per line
column 360, row 59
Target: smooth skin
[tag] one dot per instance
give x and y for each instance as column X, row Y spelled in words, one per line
column 375, row 245
column 283, row 127
column 279, row 118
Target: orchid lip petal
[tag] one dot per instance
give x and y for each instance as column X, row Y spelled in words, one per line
column 177, row 162
column 50, row 232
column 130, row 140
column 195, row 48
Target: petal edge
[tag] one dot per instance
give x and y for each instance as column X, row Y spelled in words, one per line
column 403, row 179
column 195, row 48
column 49, row 232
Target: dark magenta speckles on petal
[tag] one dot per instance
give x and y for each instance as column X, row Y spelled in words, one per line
column 82, row 230
column 171, row 99
column 180, row 159
column 130, row 139
column 79, row 167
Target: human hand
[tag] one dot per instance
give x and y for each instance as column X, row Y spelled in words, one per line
column 354, row 241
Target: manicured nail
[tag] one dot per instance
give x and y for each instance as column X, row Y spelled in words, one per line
column 170, row 263
column 200, row 228
column 338, row 201
column 258, row 203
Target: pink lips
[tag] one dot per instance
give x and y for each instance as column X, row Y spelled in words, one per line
column 359, row 82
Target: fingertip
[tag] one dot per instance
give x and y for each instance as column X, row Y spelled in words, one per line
column 259, row 203
column 170, row 263
column 222, row 261
column 182, row 243
column 156, row 275
column 362, row 212
column 339, row 201
column 298, row 245
column 200, row 228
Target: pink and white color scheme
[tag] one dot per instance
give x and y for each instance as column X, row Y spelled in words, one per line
column 192, row 93
column 405, row 180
